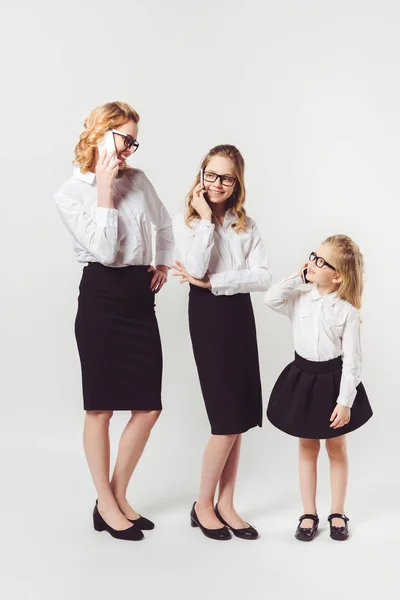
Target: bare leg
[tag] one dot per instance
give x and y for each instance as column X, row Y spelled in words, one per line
column 337, row 452
column 132, row 443
column 226, row 490
column 308, row 456
column 215, row 457
column 97, row 449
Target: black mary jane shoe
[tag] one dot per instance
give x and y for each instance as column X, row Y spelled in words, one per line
column 133, row 534
column 143, row 523
column 307, row 534
column 214, row 534
column 339, row 533
column 247, row 533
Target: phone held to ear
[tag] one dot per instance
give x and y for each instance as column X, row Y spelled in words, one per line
column 304, row 275
column 202, row 177
column 107, row 143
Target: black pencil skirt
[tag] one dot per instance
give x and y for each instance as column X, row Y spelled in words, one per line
column 305, row 396
column 118, row 339
column 223, row 333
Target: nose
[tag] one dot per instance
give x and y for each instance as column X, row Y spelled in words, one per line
column 218, row 181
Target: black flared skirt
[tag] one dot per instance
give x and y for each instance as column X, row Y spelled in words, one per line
column 118, row 339
column 305, row 396
column 223, row 333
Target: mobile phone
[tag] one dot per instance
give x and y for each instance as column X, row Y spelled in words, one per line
column 304, row 275
column 107, row 143
column 202, row 177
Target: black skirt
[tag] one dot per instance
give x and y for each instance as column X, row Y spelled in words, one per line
column 305, row 396
column 118, row 339
column 223, row 334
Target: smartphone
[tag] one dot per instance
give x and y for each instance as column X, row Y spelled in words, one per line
column 202, row 177
column 304, row 276
column 107, row 143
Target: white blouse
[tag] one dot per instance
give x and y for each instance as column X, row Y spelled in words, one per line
column 324, row 327
column 234, row 262
column 119, row 236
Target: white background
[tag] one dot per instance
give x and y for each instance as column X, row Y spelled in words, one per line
column 309, row 91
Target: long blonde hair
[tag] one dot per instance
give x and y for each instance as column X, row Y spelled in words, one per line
column 102, row 118
column 238, row 197
column 349, row 263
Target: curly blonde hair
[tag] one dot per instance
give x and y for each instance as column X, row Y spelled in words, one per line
column 350, row 264
column 237, row 200
column 102, row 118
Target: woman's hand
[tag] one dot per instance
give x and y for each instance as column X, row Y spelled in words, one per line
column 159, row 278
column 200, row 204
column 186, row 278
column 106, row 172
column 340, row 416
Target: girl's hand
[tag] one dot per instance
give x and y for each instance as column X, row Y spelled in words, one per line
column 186, row 278
column 106, row 172
column 340, row 416
column 159, row 278
column 200, row 204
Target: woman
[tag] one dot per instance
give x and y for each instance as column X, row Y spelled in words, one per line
column 223, row 259
column 108, row 208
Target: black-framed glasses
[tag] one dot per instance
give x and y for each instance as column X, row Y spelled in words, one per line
column 226, row 180
column 129, row 141
column 319, row 261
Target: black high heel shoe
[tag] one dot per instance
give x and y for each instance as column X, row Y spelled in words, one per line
column 133, row 533
column 143, row 523
column 339, row 533
column 247, row 533
column 214, row 534
column 307, row 534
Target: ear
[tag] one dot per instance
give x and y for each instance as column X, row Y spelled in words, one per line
column 337, row 279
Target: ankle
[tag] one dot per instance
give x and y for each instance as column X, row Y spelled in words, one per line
column 205, row 504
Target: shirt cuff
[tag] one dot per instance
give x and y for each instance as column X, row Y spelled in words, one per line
column 164, row 257
column 106, row 217
column 346, row 401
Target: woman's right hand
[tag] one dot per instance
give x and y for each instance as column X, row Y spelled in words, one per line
column 200, row 204
column 106, row 172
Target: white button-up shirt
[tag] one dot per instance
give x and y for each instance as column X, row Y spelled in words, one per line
column 119, row 236
column 234, row 262
column 324, row 327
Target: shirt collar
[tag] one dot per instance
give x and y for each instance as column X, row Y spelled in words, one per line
column 331, row 298
column 87, row 176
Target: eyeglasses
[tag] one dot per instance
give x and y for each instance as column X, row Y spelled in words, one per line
column 128, row 140
column 224, row 179
column 319, row 261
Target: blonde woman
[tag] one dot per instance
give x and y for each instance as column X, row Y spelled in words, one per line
column 223, row 259
column 109, row 209
column 319, row 395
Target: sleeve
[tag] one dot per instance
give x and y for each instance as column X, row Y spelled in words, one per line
column 352, row 362
column 163, row 226
column 282, row 296
column 255, row 278
column 98, row 235
column 194, row 244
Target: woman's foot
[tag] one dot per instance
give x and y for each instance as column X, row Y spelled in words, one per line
column 132, row 533
column 219, row 533
column 207, row 517
column 113, row 516
column 126, row 509
column 248, row 532
column 229, row 515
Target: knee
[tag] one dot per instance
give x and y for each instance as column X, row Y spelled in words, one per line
column 309, row 448
column 147, row 417
column 99, row 416
column 336, row 448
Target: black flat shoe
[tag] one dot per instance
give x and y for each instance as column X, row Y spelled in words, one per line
column 133, row 533
column 307, row 534
column 247, row 533
column 143, row 523
column 339, row 533
column 213, row 534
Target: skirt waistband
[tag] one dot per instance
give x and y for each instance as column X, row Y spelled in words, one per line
column 311, row 366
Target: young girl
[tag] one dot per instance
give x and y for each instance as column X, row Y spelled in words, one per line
column 223, row 260
column 109, row 208
column 319, row 395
